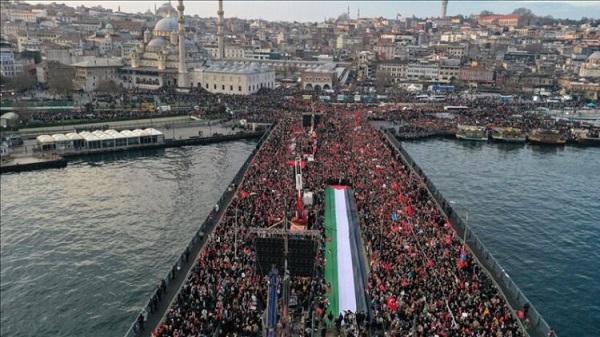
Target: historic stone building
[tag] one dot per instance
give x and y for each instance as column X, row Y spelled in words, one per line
column 591, row 67
column 167, row 58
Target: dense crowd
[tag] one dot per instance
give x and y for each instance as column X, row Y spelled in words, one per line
column 422, row 282
column 487, row 112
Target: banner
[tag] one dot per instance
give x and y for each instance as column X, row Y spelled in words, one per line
column 345, row 271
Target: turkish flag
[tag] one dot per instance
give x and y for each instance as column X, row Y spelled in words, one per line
column 293, row 163
column 409, row 211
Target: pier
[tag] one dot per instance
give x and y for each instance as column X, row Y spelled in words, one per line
column 188, row 133
column 31, row 163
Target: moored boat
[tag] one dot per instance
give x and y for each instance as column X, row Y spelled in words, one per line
column 588, row 138
column 546, row 137
column 509, row 135
column 471, row 132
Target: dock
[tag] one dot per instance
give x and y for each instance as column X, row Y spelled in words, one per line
column 194, row 133
column 26, row 163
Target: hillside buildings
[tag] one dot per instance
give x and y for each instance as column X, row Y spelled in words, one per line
column 165, row 46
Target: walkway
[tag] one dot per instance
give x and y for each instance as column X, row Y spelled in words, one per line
column 155, row 318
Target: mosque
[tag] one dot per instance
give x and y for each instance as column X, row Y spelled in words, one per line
column 167, row 58
column 591, row 67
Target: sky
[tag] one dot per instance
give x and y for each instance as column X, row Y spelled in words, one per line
column 318, row 10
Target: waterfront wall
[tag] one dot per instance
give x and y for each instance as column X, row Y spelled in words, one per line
column 42, row 164
column 180, row 270
column 57, row 158
column 534, row 325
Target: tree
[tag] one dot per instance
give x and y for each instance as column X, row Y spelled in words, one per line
column 22, row 108
column 484, row 13
column 526, row 15
column 522, row 11
column 60, row 80
column 547, row 20
column 108, row 87
column 22, row 82
column 383, row 80
column 457, row 83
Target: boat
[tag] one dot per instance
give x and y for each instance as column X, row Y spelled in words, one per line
column 471, row 132
column 509, row 135
column 588, row 138
column 546, row 137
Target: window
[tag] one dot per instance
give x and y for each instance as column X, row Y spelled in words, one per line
column 240, row 88
column 223, row 87
column 215, row 87
column 231, row 88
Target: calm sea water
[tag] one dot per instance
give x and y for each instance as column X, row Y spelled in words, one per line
column 84, row 247
column 537, row 209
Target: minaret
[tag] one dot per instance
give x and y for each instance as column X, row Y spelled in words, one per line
column 444, row 8
column 220, row 33
column 182, row 78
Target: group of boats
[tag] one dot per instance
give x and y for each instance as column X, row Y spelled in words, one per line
column 537, row 136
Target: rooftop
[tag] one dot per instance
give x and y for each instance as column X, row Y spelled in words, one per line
column 99, row 62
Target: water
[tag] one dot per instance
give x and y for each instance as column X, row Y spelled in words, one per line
column 83, row 248
column 537, row 209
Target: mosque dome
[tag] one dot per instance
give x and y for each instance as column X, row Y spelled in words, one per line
column 165, row 10
column 157, row 43
column 108, row 26
column 168, row 24
column 189, row 44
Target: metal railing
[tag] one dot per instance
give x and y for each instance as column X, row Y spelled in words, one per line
column 534, row 324
column 223, row 201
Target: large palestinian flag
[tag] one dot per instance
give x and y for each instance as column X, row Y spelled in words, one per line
column 345, row 271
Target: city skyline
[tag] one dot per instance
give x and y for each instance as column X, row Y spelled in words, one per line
column 304, row 11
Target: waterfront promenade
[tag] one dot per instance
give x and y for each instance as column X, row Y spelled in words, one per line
column 177, row 132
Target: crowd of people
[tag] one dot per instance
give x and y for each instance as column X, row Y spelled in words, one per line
column 486, row 112
column 422, row 280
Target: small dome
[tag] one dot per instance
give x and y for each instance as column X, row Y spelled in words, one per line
column 10, row 116
column 158, row 42
column 167, row 24
column 108, row 26
column 165, row 10
column 189, row 44
column 595, row 56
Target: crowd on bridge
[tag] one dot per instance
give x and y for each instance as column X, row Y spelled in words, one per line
column 422, row 280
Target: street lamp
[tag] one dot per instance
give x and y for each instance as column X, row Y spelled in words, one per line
column 466, row 220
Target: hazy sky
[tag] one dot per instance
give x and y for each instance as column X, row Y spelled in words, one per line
column 317, row 10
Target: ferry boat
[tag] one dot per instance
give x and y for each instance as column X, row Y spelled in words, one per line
column 546, row 137
column 588, row 137
column 471, row 132
column 509, row 135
